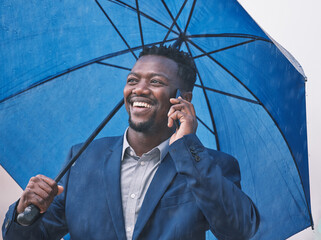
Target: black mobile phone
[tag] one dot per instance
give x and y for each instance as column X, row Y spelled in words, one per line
column 177, row 123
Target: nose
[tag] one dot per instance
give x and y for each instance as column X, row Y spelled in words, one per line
column 141, row 89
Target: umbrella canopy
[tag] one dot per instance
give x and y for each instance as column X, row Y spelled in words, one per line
column 64, row 65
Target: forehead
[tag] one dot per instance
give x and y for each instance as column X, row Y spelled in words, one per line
column 151, row 64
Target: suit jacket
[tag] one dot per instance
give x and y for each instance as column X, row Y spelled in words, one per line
column 193, row 190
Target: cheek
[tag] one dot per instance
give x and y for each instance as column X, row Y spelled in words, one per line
column 166, row 103
column 126, row 93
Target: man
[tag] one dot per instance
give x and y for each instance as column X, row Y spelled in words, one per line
column 156, row 182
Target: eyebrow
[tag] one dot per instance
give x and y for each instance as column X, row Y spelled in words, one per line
column 150, row 75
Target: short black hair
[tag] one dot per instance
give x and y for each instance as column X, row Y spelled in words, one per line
column 186, row 65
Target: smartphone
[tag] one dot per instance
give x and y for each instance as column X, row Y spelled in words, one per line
column 177, row 123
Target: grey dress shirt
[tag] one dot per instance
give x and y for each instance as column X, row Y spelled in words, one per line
column 136, row 176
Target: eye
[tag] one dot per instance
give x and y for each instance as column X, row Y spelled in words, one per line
column 131, row 80
column 156, row 82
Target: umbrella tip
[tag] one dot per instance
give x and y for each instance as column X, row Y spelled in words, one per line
column 178, row 43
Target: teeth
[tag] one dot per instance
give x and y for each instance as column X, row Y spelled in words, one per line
column 141, row 104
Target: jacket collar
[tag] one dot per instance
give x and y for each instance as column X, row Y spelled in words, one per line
column 163, row 177
column 112, row 167
column 112, row 185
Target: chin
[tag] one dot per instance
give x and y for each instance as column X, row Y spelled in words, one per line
column 141, row 126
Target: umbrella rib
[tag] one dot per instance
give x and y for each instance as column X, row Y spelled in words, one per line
column 142, row 13
column 229, row 94
column 74, row 68
column 112, row 65
column 229, row 35
column 190, row 16
column 140, row 24
column 225, row 48
column 204, row 124
column 174, row 20
column 224, row 68
column 267, row 111
column 114, row 26
column 207, row 103
column 210, row 111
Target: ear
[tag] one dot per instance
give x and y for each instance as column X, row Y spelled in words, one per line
column 187, row 96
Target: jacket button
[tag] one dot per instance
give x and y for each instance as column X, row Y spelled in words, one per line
column 197, row 158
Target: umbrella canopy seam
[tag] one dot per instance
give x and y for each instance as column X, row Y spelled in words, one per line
column 229, row 94
column 140, row 24
column 205, row 125
column 174, row 20
column 267, row 111
column 123, row 4
column 78, row 66
column 229, row 35
column 189, row 17
column 225, row 48
column 114, row 26
column 207, row 103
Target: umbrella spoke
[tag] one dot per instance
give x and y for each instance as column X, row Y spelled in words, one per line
column 249, row 93
column 114, row 26
column 174, row 20
column 77, row 67
column 207, row 102
column 229, row 35
column 225, row 69
column 121, row 3
column 140, row 24
column 228, row 94
column 190, row 16
column 222, row 49
column 204, row 124
column 115, row 66
column 259, row 102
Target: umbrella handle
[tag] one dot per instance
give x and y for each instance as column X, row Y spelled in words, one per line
column 32, row 212
column 29, row 215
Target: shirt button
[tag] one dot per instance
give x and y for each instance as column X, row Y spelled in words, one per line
column 142, row 163
column 132, row 195
column 128, row 229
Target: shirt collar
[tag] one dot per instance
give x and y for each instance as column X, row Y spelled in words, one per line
column 162, row 147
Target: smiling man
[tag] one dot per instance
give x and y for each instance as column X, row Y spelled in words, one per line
column 156, row 182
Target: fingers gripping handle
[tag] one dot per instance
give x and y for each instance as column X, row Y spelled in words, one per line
column 32, row 212
column 29, row 216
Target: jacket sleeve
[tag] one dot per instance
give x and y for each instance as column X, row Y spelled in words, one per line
column 50, row 225
column 214, row 180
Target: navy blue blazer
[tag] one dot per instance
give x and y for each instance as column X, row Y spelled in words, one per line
column 193, row 190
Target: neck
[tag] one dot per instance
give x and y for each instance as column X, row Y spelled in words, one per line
column 143, row 142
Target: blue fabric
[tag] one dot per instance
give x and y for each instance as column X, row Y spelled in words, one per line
column 55, row 90
column 194, row 189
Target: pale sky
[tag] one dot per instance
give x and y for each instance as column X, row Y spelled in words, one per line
column 296, row 25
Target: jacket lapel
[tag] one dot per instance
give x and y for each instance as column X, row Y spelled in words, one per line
column 163, row 177
column 112, row 166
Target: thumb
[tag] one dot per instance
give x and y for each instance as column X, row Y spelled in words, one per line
column 60, row 189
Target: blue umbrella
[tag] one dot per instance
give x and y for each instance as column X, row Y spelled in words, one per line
column 64, row 65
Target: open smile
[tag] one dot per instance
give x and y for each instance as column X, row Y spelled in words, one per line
column 141, row 105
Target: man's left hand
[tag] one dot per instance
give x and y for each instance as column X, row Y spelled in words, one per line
column 183, row 111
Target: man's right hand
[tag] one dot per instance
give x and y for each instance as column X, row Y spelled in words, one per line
column 40, row 191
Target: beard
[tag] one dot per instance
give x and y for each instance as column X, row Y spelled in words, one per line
column 142, row 126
